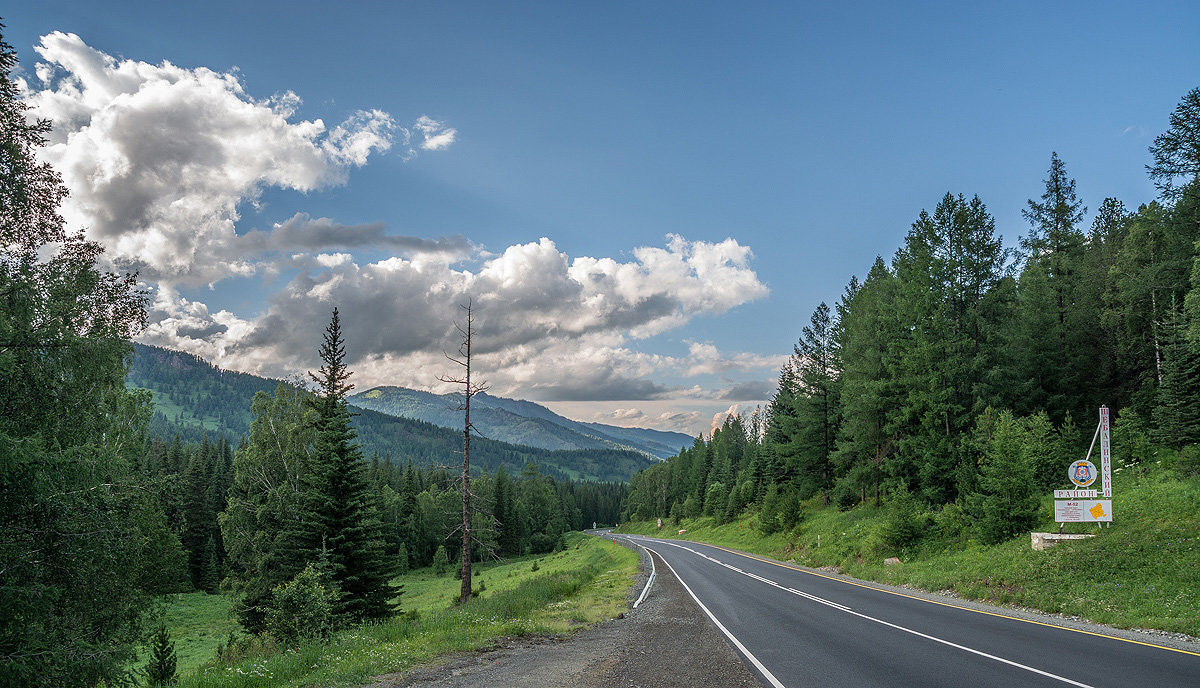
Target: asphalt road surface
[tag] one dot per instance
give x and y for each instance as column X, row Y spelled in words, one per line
column 797, row 627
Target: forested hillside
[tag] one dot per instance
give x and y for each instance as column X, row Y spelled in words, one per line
column 194, row 399
column 962, row 377
column 518, row 422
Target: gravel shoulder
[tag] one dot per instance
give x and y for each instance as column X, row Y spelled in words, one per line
column 666, row 642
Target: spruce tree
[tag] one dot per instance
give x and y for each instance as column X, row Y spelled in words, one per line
column 867, row 327
column 339, row 507
column 160, row 670
column 1177, row 414
column 951, row 261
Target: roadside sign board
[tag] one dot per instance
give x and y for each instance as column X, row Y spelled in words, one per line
column 1083, row 510
column 1074, row 494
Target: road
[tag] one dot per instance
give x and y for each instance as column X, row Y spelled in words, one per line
column 796, row 627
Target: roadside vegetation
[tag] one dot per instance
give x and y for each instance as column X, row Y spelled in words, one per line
column 1142, row 572
column 550, row 594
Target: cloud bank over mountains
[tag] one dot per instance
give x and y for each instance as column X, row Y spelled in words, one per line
column 160, row 158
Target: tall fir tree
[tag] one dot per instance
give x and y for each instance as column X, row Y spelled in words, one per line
column 867, row 328
column 339, row 510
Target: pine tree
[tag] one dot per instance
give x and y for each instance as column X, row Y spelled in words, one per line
column 1176, row 168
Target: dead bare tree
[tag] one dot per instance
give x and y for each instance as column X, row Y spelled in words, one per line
column 470, row 389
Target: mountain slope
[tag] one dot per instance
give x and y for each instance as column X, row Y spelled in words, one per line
column 193, row 398
column 519, row 422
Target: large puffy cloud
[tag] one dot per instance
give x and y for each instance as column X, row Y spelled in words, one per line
column 159, row 157
column 549, row 326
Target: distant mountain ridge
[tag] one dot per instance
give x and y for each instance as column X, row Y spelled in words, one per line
column 193, row 399
column 519, row 422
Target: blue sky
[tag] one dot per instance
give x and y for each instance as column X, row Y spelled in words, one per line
column 718, row 169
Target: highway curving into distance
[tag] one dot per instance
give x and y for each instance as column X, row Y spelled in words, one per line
column 796, row 627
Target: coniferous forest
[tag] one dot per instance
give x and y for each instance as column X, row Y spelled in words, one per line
column 963, row 376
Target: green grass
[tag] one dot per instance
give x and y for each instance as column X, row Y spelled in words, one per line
column 585, row 583
column 198, row 622
column 1143, row 572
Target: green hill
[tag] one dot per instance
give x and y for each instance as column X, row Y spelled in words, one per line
column 193, row 398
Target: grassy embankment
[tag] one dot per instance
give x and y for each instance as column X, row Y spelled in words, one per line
column 1142, row 572
column 585, row 583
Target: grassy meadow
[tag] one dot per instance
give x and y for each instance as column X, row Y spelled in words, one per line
column 551, row 594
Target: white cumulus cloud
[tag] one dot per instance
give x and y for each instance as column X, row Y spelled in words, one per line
column 549, row 326
column 159, row 158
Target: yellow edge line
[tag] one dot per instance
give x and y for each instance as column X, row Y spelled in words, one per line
column 944, row 604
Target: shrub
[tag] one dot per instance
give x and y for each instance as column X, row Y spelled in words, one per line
column 1005, row 502
column 714, row 499
column 301, row 608
column 441, row 561
column 904, row 524
column 952, row 524
column 789, row 512
column 541, row 543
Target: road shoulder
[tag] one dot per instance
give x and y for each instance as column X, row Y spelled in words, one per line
column 666, row 642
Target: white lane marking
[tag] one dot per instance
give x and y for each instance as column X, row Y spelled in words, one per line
column 646, row 590
column 732, row 638
column 805, row 595
column 835, row 605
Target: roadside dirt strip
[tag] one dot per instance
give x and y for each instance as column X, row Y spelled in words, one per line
column 666, row 642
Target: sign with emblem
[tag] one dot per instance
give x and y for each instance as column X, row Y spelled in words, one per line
column 1080, row 505
column 1082, row 473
